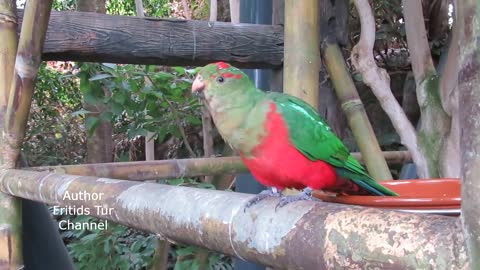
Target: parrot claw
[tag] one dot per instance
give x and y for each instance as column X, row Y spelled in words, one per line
column 273, row 192
column 305, row 195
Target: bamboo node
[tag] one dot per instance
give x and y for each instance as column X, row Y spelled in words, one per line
column 7, row 18
column 352, row 105
column 230, row 234
column 24, row 69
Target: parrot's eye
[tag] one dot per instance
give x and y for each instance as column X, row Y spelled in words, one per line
column 220, row 79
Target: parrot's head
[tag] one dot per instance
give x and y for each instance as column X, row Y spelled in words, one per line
column 221, row 81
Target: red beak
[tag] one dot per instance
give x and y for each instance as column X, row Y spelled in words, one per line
column 198, row 85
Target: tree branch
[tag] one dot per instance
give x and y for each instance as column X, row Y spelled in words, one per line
column 469, row 97
column 420, row 57
column 451, row 164
column 379, row 81
column 435, row 123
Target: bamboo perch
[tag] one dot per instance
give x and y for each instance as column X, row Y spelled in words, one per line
column 301, row 65
column 10, row 207
column 353, row 108
column 175, row 168
column 305, row 235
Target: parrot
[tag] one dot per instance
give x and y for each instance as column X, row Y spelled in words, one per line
column 280, row 138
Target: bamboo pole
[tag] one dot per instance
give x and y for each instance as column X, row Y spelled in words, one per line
column 10, row 207
column 353, row 108
column 16, row 93
column 28, row 59
column 307, row 234
column 8, row 49
column 177, row 168
column 301, row 65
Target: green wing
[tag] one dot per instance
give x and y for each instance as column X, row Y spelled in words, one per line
column 315, row 139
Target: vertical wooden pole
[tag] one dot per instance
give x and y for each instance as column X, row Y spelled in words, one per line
column 302, row 53
column 16, row 92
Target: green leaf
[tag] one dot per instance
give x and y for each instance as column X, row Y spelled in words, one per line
column 189, row 250
column 90, row 98
column 176, row 182
column 161, row 134
column 192, row 70
column 100, row 77
column 110, row 65
column 137, row 132
column 80, row 112
column 120, row 97
column 164, row 75
column 179, row 70
column 106, row 116
column 127, row 86
column 108, row 246
column 136, row 246
column 117, row 109
column 205, row 186
column 193, row 120
column 183, row 265
column 91, row 123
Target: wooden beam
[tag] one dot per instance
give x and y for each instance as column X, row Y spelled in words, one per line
column 91, row 37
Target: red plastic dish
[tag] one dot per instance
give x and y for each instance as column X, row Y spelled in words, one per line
column 440, row 196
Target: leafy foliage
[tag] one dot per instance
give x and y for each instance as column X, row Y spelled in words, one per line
column 54, row 136
column 156, row 8
column 140, row 99
column 152, row 8
column 120, row 247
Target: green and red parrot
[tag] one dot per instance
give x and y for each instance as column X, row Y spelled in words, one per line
column 281, row 139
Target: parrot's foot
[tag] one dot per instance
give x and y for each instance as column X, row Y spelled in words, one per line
column 273, row 192
column 305, row 195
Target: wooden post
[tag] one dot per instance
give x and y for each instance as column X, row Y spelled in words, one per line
column 302, row 55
